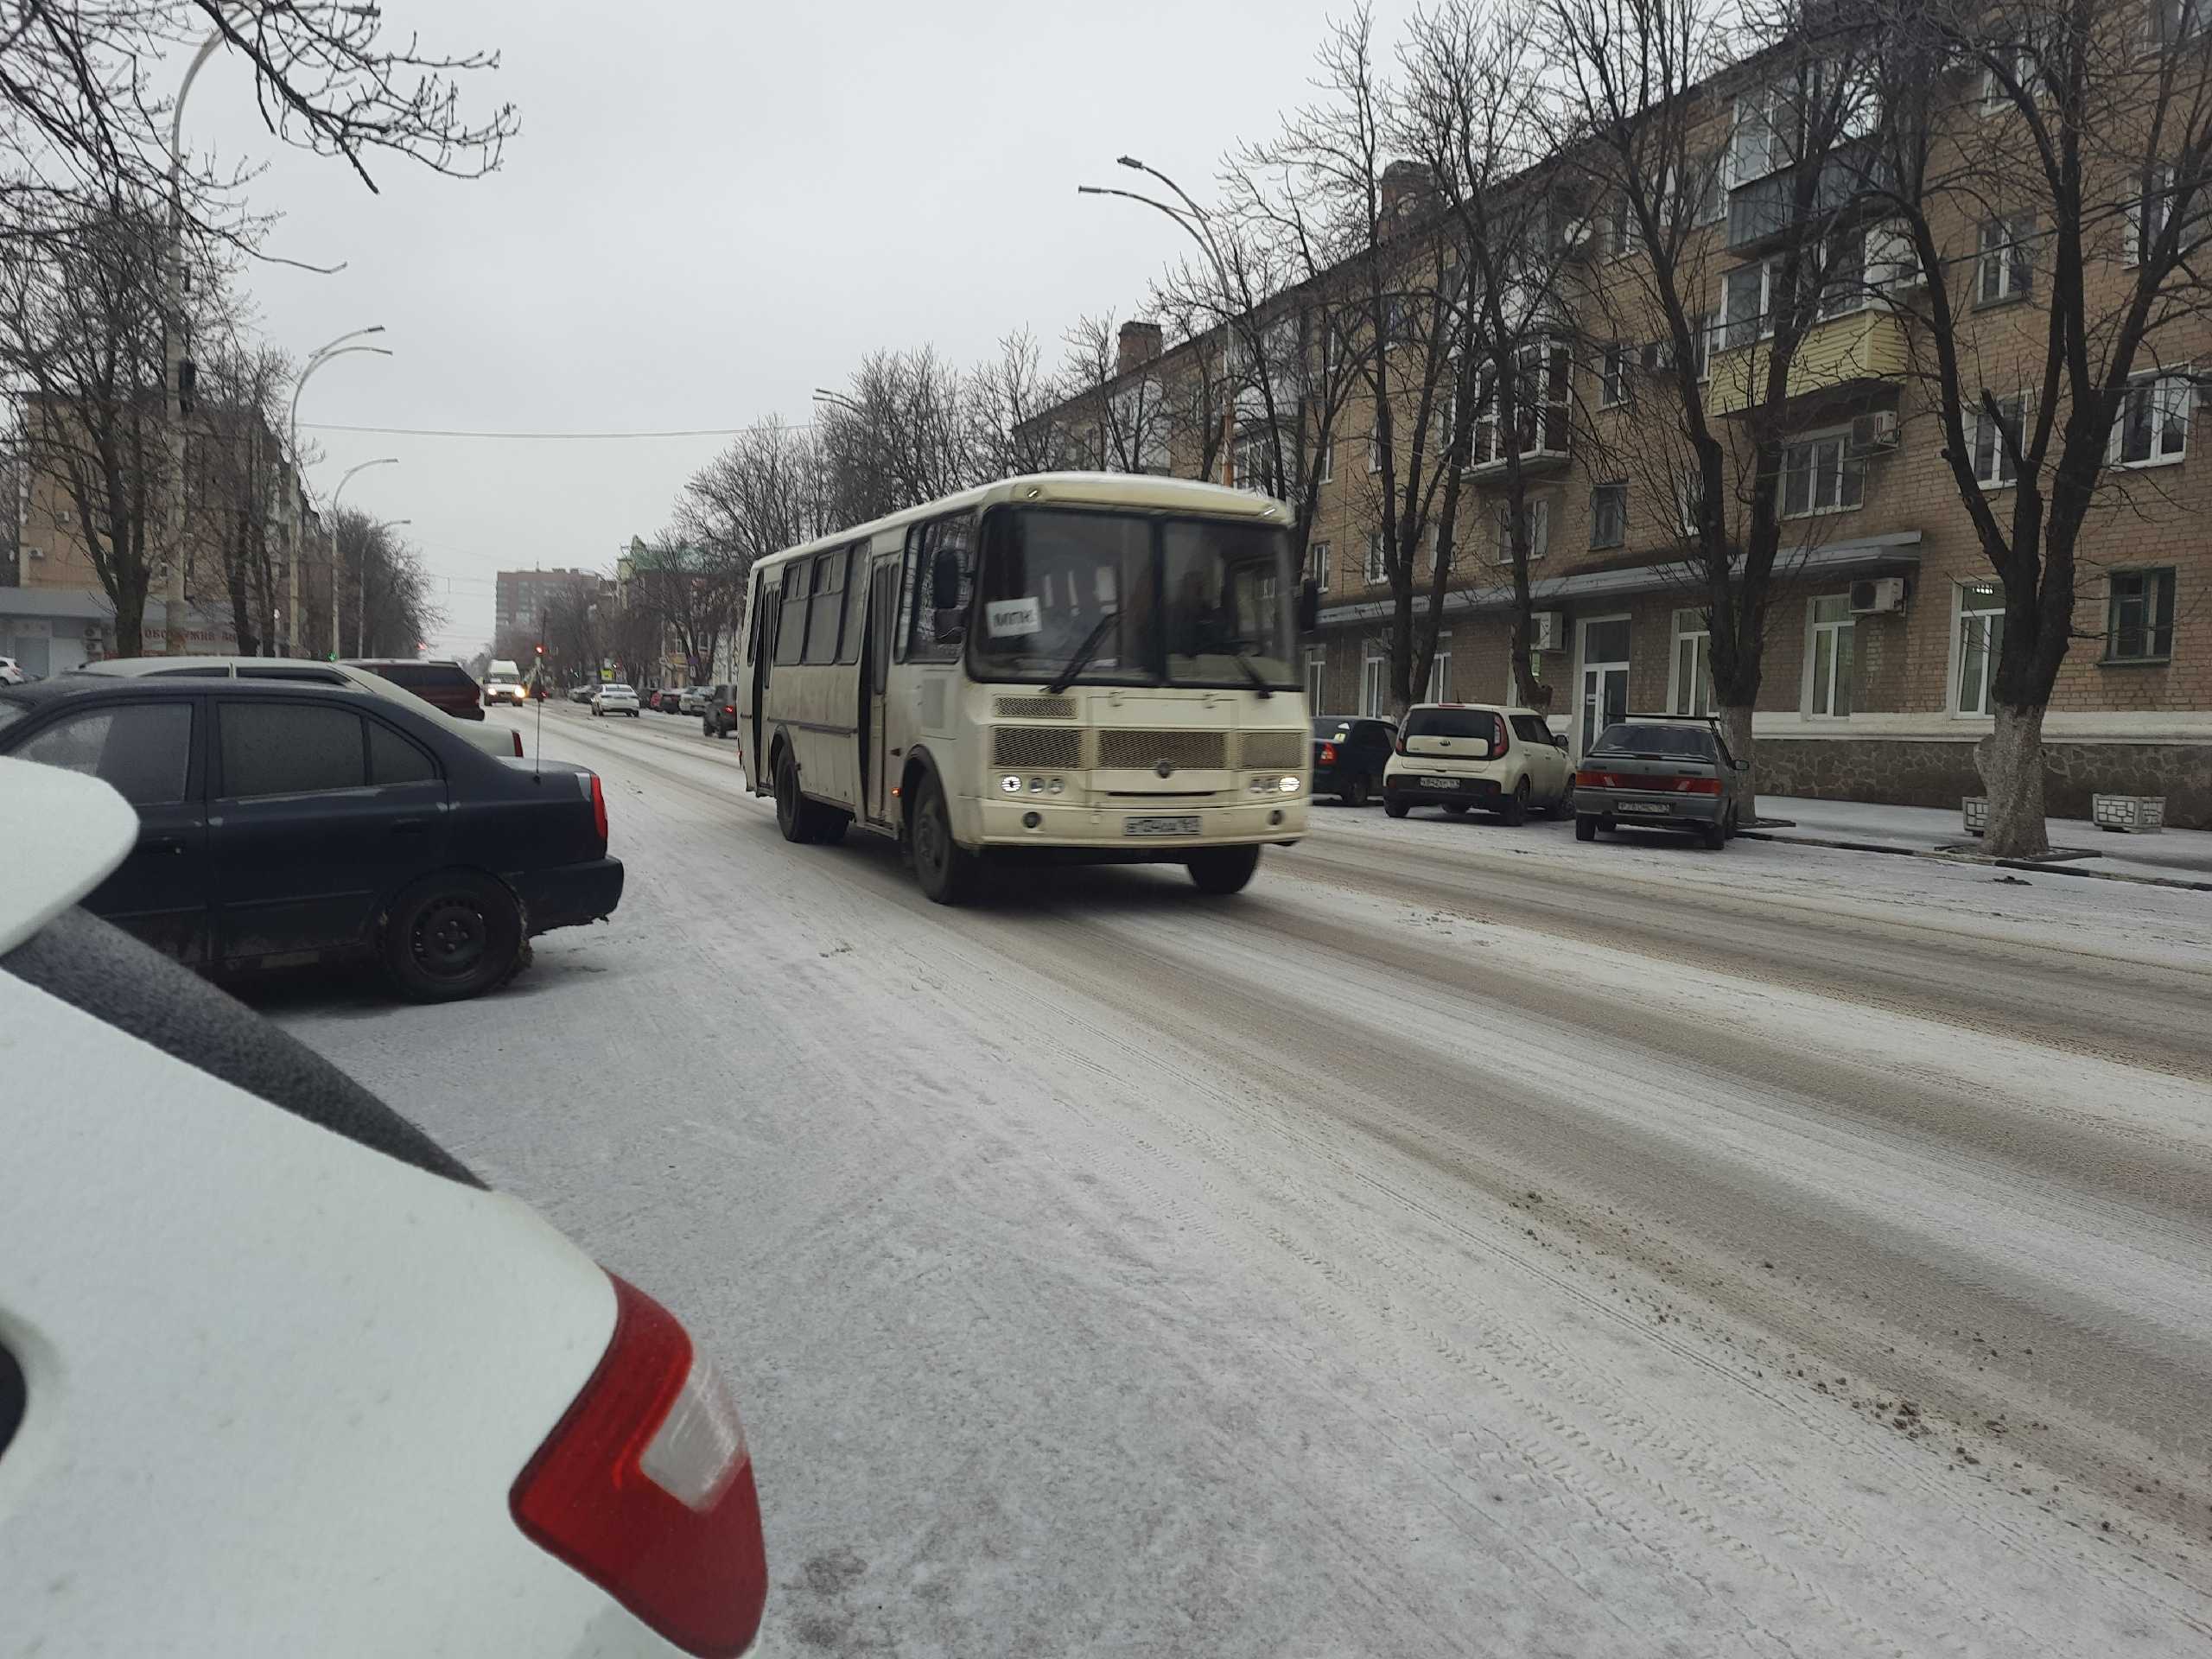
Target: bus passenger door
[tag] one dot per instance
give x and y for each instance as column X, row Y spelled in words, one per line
column 876, row 768
column 767, row 610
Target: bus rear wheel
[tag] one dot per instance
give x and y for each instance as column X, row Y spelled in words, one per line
column 800, row 819
column 1222, row 869
column 946, row 873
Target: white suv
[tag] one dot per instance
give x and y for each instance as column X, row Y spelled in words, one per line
column 1457, row 756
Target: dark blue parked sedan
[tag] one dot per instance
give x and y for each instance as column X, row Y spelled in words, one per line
column 283, row 822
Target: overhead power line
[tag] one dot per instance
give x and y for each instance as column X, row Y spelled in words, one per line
column 455, row 432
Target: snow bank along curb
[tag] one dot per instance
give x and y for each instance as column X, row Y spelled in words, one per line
column 2052, row 868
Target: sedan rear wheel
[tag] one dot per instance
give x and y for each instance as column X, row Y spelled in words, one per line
column 1356, row 795
column 1586, row 826
column 452, row 935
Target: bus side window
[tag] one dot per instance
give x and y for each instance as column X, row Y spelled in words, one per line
column 942, row 587
column 909, row 583
column 790, row 626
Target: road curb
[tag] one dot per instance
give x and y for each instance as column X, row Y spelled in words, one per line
column 1986, row 863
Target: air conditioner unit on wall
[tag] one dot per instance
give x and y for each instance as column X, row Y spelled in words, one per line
column 1873, row 595
column 1875, row 434
column 1547, row 630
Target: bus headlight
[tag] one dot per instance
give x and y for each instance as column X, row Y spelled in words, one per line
column 1289, row 786
column 1036, row 785
column 1011, row 785
column 1053, row 786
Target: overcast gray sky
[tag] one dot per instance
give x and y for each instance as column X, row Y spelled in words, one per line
column 711, row 209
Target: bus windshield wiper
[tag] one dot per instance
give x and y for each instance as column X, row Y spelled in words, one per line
column 1084, row 653
column 1259, row 681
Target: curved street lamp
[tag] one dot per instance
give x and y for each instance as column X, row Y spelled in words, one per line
column 1199, row 224
column 381, row 460
column 326, row 353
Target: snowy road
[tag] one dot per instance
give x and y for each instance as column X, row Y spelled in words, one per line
column 1467, row 1241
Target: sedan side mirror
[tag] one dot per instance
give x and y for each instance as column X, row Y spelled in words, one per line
column 1309, row 607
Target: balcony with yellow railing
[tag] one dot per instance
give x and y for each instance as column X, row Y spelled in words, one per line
column 1836, row 358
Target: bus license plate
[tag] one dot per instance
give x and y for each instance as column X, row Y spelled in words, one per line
column 1159, row 826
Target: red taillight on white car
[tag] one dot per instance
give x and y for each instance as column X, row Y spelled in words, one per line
column 646, row 1489
column 517, row 738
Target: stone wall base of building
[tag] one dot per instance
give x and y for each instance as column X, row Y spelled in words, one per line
column 1941, row 774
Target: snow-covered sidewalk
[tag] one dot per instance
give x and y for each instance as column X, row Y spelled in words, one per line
column 2170, row 856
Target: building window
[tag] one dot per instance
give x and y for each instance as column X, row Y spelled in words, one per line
column 1821, row 475
column 1328, row 461
column 1255, row 453
column 1748, row 294
column 2152, row 426
column 1689, row 499
column 2020, row 65
column 1374, row 682
column 2139, row 617
column 1995, row 439
column 1540, row 407
column 1612, row 377
column 1843, row 287
column 1982, row 641
column 1708, row 179
column 1832, row 637
column 1378, row 566
column 1691, row 692
column 2007, row 261
column 1440, row 671
column 1620, row 226
column 1375, row 449
column 1701, row 330
column 1537, row 518
column 1609, row 515
column 1317, row 564
column 2172, row 22
column 1317, row 665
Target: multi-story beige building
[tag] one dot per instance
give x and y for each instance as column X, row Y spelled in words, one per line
column 1881, row 626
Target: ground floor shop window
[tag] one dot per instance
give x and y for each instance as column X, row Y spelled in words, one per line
column 1317, row 665
column 1832, row 639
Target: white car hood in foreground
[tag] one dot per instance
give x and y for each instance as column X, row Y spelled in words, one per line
column 279, row 1384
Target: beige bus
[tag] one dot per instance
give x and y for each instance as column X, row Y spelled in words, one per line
column 1073, row 666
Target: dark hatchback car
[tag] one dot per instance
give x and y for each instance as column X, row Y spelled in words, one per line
column 445, row 686
column 720, row 719
column 281, row 823
column 1350, row 752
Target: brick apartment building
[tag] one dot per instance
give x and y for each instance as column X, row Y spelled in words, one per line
column 1881, row 631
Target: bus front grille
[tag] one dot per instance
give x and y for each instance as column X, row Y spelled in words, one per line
column 1032, row 708
column 1272, row 751
column 1037, row 748
column 1184, row 751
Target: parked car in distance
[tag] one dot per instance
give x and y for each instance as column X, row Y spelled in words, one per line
column 1660, row 772
column 493, row 739
column 719, row 718
column 12, row 672
column 693, row 700
column 581, row 693
column 1457, row 756
column 503, row 683
column 1350, row 753
column 613, row 698
column 444, row 685
column 418, row 1419
column 283, row 822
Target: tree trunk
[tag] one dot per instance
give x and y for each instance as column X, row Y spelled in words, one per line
column 1735, row 733
column 2011, row 762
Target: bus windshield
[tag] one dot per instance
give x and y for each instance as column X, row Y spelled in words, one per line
column 1179, row 601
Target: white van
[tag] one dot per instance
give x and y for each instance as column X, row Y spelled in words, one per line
column 503, row 683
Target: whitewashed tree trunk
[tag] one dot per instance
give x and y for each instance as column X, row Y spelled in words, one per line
column 2011, row 762
column 1736, row 731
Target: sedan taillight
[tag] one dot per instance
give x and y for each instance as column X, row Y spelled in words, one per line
column 1697, row 785
column 517, row 738
column 645, row 1487
column 1596, row 780
column 1328, row 754
column 599, row 811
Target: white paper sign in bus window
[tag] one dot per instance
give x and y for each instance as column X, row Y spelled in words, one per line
column 1006, row 618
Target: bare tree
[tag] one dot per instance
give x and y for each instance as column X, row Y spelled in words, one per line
column 1008, row 398
column 83, row 117
column 386, row 609
column 235, row 472
column 80, row 332
column 896, row 437
column 1115, row 422
column 1479, row 114
column 1374, row 222
column 1648, row 83
column 2055, row 150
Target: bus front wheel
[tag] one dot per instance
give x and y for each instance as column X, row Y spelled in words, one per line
column 946, row 873
column 1222, row 869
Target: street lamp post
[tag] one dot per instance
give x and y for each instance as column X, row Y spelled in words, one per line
column 172, row 622
column 1199, row 224
column 381, row 460
column 324, row 353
